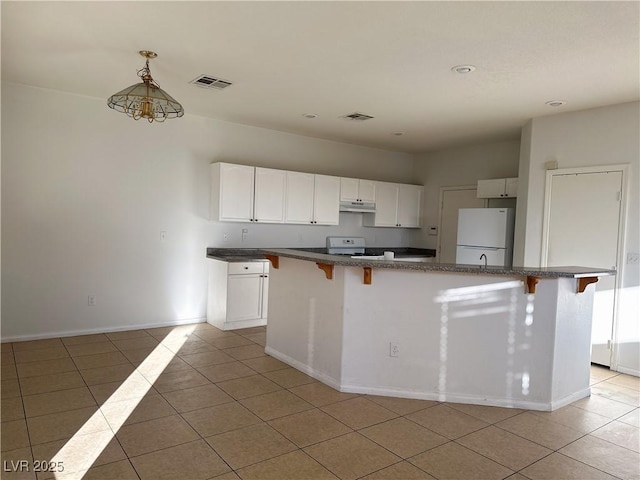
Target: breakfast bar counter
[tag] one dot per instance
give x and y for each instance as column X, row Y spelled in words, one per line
column 515, row 337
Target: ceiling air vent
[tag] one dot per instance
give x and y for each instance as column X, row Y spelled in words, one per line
column 357, row 116
column 207, row 81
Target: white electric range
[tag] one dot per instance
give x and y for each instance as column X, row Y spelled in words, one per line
column 350, row 246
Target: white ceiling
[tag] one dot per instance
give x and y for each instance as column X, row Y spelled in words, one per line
column 391, row 60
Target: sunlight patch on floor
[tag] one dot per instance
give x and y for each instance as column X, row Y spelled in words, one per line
column 82, row 450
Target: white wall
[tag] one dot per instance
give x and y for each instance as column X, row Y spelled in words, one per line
column 86, row 192
column 457, row 167
column 601, row 136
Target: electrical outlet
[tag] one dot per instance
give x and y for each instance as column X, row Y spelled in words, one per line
column 225, row 237
column 245, row 233
column 163, row 236
column 91, row 300
column 394, row 350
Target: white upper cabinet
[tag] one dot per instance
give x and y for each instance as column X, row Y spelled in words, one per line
column 232, row 192
column 312, row 199
column 326, row 200
column 240, row 193
column 299, row 197
column 409, row 205
column 269, row 195
column 357, row 190
column 397, row 205
column 498, row 188
column 386, row 206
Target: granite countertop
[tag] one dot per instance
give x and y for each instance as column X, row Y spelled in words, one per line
column 551, row 272
column 236, row 254
column 256, row 254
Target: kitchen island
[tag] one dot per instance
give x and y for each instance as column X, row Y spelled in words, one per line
column 515, row 337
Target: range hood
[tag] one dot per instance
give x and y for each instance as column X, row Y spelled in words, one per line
column 362, row 207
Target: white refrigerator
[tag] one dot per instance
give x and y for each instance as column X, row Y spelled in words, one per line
column 485, row 236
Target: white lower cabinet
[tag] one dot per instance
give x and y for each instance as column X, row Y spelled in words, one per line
column 238, row 294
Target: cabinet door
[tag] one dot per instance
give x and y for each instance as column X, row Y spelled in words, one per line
column 511, row 187
column 409, row 205
column 232, row 192
column 349, row 189
column 386, row 205
column 264, row 310
column 367, row 190
column 494, row 188
column 269, row 195
column 326, row 204
column 299, row 198
column 244, row 297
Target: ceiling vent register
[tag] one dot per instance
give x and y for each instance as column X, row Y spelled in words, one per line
column 207, row 81
column 358, row 117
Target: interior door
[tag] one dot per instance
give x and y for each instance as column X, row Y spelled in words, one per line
column 452, row 201
column 583, row 229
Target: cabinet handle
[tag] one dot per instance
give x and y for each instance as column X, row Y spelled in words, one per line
column 246, row 268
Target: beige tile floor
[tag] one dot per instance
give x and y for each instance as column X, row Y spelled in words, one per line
column 171, row 403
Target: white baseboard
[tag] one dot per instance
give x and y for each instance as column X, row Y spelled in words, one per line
column 73, row 333
column 563, row 402
column 435, row 396
column 260, row 322
column 451, row 398
column 628, row 371
column 323, row 377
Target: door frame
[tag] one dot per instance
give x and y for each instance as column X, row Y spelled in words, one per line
column 622, row 228
column 441, row 204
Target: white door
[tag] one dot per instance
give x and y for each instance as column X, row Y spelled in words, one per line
column 299, row 198
column 453, row 200
column 583, row 229
column 269, row 195
column 326, row 200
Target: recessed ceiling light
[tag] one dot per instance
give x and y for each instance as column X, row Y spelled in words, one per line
column 398, row 134
column 555, row 103
column 310, row 115
column 462, row 69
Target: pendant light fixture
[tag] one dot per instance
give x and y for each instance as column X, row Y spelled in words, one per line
column 146, row 99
